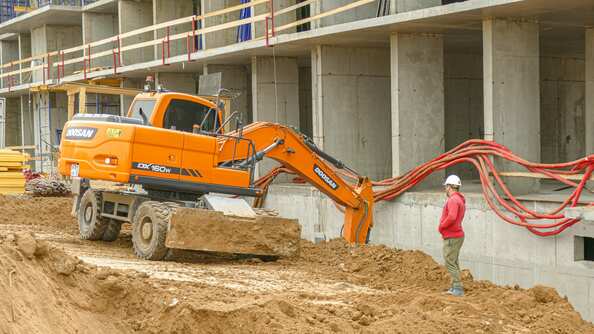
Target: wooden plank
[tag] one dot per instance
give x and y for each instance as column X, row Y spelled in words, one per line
column 11, row 175
column 575, row 177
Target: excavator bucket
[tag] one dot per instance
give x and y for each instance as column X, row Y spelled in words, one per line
column 215, row 231
column 358, row 221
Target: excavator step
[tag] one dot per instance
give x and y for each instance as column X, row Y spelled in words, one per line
column 213, row 231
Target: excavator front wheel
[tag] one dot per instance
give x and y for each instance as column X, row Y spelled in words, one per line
column 91, row 225
column 149, row 230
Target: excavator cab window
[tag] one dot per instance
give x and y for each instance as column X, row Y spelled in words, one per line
column 182, row 115
column 147, row 107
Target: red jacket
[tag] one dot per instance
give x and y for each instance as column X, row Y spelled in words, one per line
column 450, row 223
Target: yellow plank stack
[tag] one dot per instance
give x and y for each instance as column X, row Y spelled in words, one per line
column 12, row 163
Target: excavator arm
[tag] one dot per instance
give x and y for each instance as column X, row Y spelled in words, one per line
column 293, row 151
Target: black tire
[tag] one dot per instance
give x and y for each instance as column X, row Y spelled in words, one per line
column 112, row 231
column 149, row 230
column 90, row 224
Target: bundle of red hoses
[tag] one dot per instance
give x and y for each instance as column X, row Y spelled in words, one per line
column 479, row 153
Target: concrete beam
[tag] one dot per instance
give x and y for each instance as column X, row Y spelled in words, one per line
column 511, row 91
column 351, row 106
column 417, row 102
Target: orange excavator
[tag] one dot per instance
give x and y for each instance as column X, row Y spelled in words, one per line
column 187, row 178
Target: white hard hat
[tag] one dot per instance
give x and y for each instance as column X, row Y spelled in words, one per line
column 453, row 180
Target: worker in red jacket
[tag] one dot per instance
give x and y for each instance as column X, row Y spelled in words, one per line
column 450, row 227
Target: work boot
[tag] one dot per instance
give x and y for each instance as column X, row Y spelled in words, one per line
column 457, row 292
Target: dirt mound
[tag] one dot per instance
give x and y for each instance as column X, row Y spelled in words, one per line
column 386, row 266
column 27, row 210
column 331, row 287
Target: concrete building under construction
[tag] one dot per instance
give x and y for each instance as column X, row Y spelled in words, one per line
column 382, row 85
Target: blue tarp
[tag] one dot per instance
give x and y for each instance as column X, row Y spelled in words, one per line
column 244, row 32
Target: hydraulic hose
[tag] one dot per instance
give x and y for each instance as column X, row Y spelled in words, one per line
column 479, row 154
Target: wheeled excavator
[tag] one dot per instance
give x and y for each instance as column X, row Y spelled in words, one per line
column 186, row 178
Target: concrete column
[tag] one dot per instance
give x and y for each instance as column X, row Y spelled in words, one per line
column 95, row 27
column 512, row 91
column 275, row 95
column 135, row 15
column 351, row 106
column 236, row 78
column 589, row 91
column 168, row 10
column 25, row 52
column 417, row 102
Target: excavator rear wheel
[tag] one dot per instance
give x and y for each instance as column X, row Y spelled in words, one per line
column 149, row 230
column 91, row 225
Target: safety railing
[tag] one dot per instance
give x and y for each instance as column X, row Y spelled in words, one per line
column 56, row 65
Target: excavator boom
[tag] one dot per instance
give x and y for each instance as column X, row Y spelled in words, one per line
column 297, row 153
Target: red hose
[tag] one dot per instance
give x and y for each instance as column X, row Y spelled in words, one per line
column 479, row 153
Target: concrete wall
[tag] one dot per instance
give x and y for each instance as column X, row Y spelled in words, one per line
column 351, row 106
column 9, row 51
column 562, row 108
column 493, row 250
column 222, row 37
column 589, row 78
column 236, row 78
column 359, row 13
column 463, row 93
column 178, row 82
column 95, row 27
column 25, row 52
column 134, row 15
column 49, row 38
column 275, row 94
column 305, row 101
column 12, row 126
column 167, row 10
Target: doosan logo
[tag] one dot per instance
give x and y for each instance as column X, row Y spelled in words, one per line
column 80, row 133
column 327, row 179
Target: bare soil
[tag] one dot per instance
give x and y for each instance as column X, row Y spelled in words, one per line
column 52, row 282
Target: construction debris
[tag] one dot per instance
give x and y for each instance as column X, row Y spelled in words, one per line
column 12, row 163
column 46, row 187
